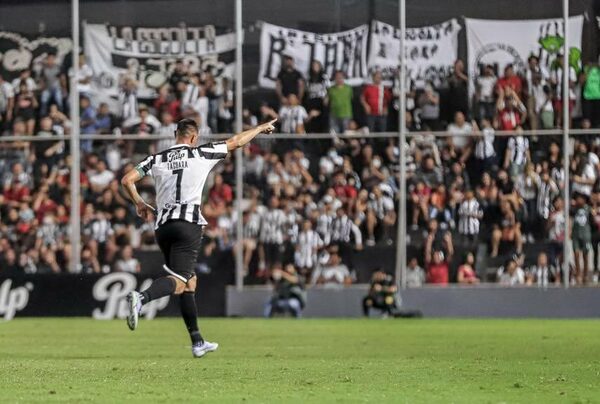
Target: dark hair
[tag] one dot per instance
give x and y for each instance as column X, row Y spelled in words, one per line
column 186, row 127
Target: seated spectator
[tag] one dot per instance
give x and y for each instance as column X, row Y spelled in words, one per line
column 332, row 273
column 102, row 177
column 509, row 230
column 517, row 154
column 466, row 272
column 542, row 273
column 381, row 211
column 419, row 196
column 127, row 263
column 429, row 173
column 511, row 274
column 220, row 190
column 25, row 106
column 438, row 269
column 415, row 275
column 105, row 120
column 460, row 130
column 89, row 262
column 288, row 294
column 339, row 98
column 382, row 295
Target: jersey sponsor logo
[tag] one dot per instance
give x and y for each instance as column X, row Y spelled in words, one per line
column 13, row 300
column 176, row 155
column 113, row 289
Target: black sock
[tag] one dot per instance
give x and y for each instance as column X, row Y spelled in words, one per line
column 161, row 287
column 190, row 316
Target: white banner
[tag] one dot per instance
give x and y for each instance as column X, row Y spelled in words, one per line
column 148, row 54
column 18, row 52
column 501, row 42
column 430, row 51
column 346, row 51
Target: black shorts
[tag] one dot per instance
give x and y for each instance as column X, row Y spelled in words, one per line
column 180, row 243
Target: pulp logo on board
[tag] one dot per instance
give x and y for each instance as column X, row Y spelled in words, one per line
column 13, row 300
column 113, row 289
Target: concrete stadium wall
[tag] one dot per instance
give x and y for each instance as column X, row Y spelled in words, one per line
column 436, row 302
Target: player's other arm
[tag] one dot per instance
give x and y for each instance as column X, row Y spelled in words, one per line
column 128, row 181
column 242, row 139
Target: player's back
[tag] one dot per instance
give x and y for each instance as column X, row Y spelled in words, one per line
column 180, row 173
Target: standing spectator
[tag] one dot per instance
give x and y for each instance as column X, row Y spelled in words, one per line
column 429, row 104
column 466, row 272
column 289, row 81
column 415, row 275
column 316, row 92
column 510, row 82
column 333, row 273
column 339, row 98
column 591, row 95
column 511, row 111
column 581, row 235
column 24, row 78
column 225, row 107
column 485, row 93
column 220, row 190
column 438, row 239
column 167, row 102
column 87, row 122
column 508, row 230
column 52, row 88
column 375, row 99
column 380, row 213
column 517, row 154
column 540, row 106
column 25, row 106
column 584, row 174
column 7, row 103
column 128, row 103
column 484, row 149
column 292, row 116
column 84, row 76
column 556, row 229
column 438, row 269
column 556, row 78
column 309, row 243
column 458, row 90
column 469, row 217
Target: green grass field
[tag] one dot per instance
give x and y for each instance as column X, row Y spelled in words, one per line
column 79, row 360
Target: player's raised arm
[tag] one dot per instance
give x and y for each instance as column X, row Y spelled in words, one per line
column 242, row 139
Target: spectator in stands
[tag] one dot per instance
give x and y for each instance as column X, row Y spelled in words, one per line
column 332, row 273
column 438, row 239
column 540, row 105
column 292, row 116
column 581, row 235
column 316, row 92
column 429, row 105
column 438, row 269
column 508, row 230
column 584, row 173
column 339, row 98
column 7, row 104
column 25, row 106
column 510, row 83
column 24, row 78
column 415, row 275
column 382, row 295
column 556, row 79
column 89, row 262
column 517, row 154
column 511, row 111
column 88, row 124
column 127, row 263
column 288, row 294
column 460, row 130
column 542, row 273
column 128, row 102
column 511, row 274
column 380, row 212
column 84, row 76
column 466, row 272
column 51, row 84
column 375, row 99
column 289, row 81
column 485, row 93
column 470, row 214
column 458, row 90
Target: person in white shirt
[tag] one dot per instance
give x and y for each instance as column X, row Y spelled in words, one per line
column 84, row 76
column 7, row 102
column 25, row 77
column 101, row 178
column 127, row 263
column 460, row 127
column 486, row 85
column 511, row 274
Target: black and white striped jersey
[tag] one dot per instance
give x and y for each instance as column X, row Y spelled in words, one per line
column 180, row 173
column 469, row 215
column 273, row 226
column 343, row 230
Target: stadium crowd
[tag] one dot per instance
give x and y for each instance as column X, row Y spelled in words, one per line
column 314, row 204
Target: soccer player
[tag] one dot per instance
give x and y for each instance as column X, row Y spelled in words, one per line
column 179, row 175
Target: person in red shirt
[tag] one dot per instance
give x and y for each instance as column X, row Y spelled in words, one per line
column 466, row 272
column 511, row 111
column 16, row 193
column 510, row 80
column 220, row 191
column 437, row 269
column 375, row 99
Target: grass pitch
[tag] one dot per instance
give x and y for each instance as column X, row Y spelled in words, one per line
column 82, row 360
